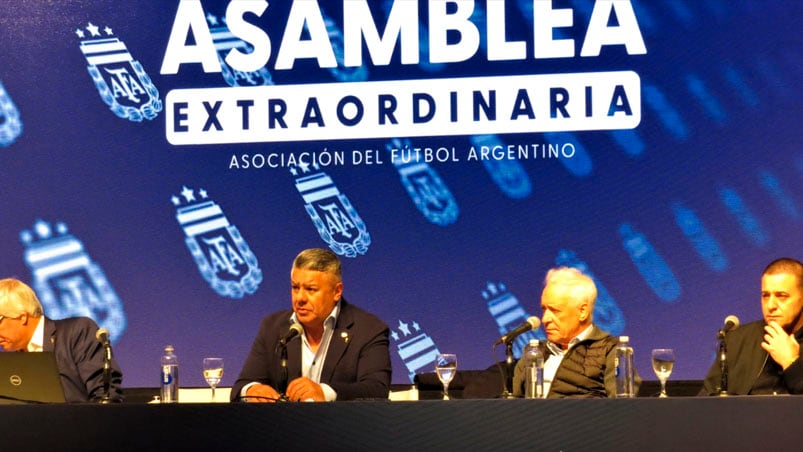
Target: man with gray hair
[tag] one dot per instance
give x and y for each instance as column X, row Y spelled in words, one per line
column 580, row 356
column 79, row 355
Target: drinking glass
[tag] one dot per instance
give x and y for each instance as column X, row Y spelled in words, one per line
column 445, row 367
column 663, row 359
column 213, row 372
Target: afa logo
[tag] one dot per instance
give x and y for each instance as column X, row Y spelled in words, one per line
column 337, row 222
column 224, row 41
column 416, row 349
column 222, row 256
column 120, row 80
column 10, row 123
column 426, row 188
column 508, row 313
column 509, row 175
column 68, row 282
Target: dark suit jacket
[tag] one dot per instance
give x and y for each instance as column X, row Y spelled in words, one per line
column 357, row 362
column 746, row 360
column 79, row 356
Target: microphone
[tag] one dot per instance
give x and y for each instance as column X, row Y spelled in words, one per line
column 102, row 335
column 532, row 323
column 731, row 323
column 295, row 330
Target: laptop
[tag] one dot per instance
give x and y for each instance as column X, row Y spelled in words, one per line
column 29, row 378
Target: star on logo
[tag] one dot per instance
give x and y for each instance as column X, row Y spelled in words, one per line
column 404, row 328
column 212, row 19
column 108, row 31
column 92, row 29
column 42, row 229
column 187, row 194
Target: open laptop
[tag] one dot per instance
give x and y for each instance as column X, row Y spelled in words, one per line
column 29, row 378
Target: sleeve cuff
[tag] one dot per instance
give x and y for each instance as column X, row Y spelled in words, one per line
column 328, row 393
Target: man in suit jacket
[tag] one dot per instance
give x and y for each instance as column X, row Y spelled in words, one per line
column 79, row 355
column 341, row 352
column 763, row 357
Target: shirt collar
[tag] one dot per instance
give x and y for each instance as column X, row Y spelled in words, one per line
column 36, row 344
column 330, row 320
column 558, row 350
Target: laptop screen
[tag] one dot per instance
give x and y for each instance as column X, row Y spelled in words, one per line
column 29, row 378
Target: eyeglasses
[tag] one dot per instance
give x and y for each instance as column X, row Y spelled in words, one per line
column 7, row 317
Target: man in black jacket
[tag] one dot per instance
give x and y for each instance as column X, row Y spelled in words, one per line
column 763, row 357
column 341, row 352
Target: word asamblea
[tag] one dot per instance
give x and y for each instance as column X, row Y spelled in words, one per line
column 305, row 35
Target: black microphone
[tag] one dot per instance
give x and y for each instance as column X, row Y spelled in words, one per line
column 102, row 335
column 295, row 330
column 531, row 324
column 731, row 323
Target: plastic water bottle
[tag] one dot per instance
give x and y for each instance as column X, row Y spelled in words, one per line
column 624, row 368
column 169, row 376
column 533, row 371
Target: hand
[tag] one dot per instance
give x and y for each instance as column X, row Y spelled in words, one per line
column 260, row 393
column 782, row 347
column 302, row 389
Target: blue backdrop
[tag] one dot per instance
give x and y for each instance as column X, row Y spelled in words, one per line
column 107, row 215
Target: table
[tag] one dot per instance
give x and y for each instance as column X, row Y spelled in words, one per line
column 682, row 423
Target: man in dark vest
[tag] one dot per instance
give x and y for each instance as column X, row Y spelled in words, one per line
column 580, row 356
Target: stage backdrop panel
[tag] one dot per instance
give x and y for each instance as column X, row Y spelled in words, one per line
column 163, row 162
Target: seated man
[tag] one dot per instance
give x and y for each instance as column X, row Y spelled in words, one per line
column 763, row 357
column 342, row 353
column 79, row 355
column 579, row 356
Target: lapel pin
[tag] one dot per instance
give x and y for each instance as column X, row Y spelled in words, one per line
column 345, row 336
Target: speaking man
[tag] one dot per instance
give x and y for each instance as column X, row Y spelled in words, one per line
column 340, row 353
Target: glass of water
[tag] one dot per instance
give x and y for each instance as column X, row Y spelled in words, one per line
column 446, row 367
column 213, row 373
column 663, row 360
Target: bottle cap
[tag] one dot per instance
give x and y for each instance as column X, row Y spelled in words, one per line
column 169, row 349
column 624, row 338
column 534, row 342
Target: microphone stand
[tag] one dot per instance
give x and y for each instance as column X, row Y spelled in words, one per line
column 107, row 372
column 510, row 367
column 283, row 381
column 507, row 372
column 723, row 366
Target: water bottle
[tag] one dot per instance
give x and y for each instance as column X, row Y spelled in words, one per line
column 169, row 376
column 624, row 368
column 533, row 371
